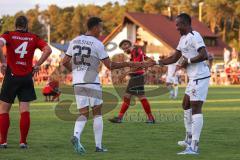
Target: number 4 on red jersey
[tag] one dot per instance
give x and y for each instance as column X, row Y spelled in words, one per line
column 20, row 50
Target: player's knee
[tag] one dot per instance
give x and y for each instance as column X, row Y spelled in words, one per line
column 126, row 99
column 97, row 110
column 84, row 112
column 3, row 110
column 141, row 97
column 4, row 107
column 127, row 96
column 97, row 113
column 24, row 107
column 84, row 115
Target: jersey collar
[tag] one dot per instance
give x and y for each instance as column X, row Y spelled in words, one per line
column 21, row 31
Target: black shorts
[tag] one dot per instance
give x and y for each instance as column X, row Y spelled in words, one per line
column 20, row 86
column 136, row 84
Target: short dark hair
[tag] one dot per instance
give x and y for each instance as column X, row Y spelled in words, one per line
column 21, row 22
column 185, row 17
column 92, row 22
column 123, row 41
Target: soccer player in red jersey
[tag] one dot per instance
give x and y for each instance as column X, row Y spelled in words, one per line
column 135, row 84
column 18, row 70
column 51, row 90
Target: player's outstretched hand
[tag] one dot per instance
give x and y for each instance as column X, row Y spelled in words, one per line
column 135, row 66
column 141, row 65
column 3, row 68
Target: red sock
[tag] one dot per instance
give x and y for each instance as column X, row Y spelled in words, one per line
column 4, row 125
column 147, row 108
column 24, row 126
column 125, row 105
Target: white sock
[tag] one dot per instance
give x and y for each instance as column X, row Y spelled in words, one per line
column 188, row 120
column 98, row 130
column 197, row 124
column 188, row 124
column 171, row 91
column 79, row 126
column 175, row 91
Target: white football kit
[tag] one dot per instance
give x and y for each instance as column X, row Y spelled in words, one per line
column 171, row 74
column 198, row 73
column 86, row 52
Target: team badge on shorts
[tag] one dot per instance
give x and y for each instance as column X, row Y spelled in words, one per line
column 194, row 92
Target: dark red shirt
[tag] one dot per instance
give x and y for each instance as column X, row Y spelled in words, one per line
column 50, row 87
column 137, row 55
column 20, row 50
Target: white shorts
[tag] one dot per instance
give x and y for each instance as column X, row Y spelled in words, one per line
column 172, row 79
column 197, row 90
column 88, row 95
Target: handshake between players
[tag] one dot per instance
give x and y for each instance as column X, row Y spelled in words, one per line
column 182, row 63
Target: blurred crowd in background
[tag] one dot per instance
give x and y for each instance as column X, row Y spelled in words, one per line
column 226, row 72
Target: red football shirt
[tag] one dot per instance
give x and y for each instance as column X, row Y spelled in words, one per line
column 50, row 87
column 137, row 55
column 20, row 50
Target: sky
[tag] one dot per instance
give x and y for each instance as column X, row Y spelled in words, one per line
column 11, row 7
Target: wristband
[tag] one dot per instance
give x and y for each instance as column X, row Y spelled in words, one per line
column 189, row 60
column 160, row 63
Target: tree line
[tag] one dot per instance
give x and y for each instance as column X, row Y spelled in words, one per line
column 222, row 17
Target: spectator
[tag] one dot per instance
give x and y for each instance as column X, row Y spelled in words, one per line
column 227, row 55
column 51, row 90
column 234, row 54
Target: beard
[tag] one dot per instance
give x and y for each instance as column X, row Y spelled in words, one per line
column 128, row 51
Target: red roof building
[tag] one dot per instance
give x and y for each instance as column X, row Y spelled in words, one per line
column 158, row 33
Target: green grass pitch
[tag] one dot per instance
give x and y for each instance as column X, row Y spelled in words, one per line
column 49, row 137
